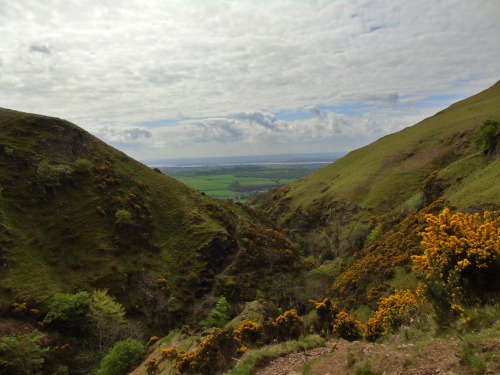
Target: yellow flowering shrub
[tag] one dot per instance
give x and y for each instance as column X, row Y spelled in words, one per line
column 152, row 340
column 348, row 327
column 399, row 308
column 327, row 313
column 288, row 326
column 213, row 355
column 248, row 332
column 169, row 353
column 461, row 259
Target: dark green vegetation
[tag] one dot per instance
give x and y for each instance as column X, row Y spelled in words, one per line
column 98, row 251
column 78, row 215
column 240, row 182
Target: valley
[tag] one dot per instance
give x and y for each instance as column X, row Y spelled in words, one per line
column 365, row 265
column 240, row 182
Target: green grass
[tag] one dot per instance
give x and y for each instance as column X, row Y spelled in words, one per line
column 390, row 171
column 254, row 358
column 67, row 240
column 218, row 185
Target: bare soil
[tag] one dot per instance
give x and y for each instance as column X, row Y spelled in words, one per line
column 439, row 356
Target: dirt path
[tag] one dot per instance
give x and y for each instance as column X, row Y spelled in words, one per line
column 290, row 363
column 437, row 357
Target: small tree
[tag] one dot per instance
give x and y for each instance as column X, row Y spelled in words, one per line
column 22, row 353
column 220, row 314
column 107, row 318
column 69, row 312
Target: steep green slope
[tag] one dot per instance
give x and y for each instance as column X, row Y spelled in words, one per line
column 388, row 172
column 62, row 233
column 368, row 208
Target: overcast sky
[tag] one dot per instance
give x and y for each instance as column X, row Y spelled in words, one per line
column 166, row 79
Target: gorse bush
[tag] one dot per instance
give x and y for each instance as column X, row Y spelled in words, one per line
column 288, row 326
column 348, row 327
column 213, row 355
column 461, row 260
column 248, row 332
column 327, row 313
column 399, row 308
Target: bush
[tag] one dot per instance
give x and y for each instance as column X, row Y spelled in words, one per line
column 120, row 359
column 461, row 259
column 487, row 136
column 393, row 311
column 288, row 326
column 51, row 175
column 69, row 312
column 248, row 332
column 123, row 217
column 327, row 313
column 83, row 165
column 21, row 353
column 348, row 327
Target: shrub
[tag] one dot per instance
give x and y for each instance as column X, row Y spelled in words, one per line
column 327, row 313
column 123, row 218
column 121, row 357
column 399, row 308
column 461, row 259
column 51, row 175
column 288, row 326
column 348, row 327
column 487, row 136
column 248, row 332
column 214, row 354
column 21, row 353
column 169, row 353
column 83, row 165
column 69, row 312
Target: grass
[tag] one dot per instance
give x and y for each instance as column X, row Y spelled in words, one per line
column 390, row 171
column 66, row 240
column 219, row 185
column 255, row 358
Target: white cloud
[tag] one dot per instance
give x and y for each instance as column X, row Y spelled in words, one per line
column 108, row 62
column 121, row 135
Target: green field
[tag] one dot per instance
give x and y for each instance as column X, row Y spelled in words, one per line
column 240, row 182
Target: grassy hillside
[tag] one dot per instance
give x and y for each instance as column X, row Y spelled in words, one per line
column 175, row 248
column 368, row 208
column 392, row 170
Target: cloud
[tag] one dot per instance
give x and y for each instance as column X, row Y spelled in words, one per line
column 122, row 135
column 391, row 98
column 264, row 119
column 313, row 110
column 39, row 48
column 240, row 64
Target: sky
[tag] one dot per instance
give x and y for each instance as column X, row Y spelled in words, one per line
column 162, row 79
